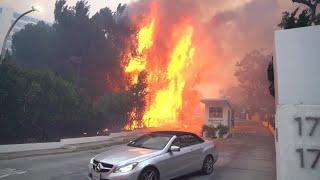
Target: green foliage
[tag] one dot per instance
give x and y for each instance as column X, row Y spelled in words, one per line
column 33, row 46
column 112, row 110
column 85, row 51
column 290, row 20
column 307, row 17
column 42, row 103
column 209, row 130
column 39, row 106
column 212, row 131
column 223, row 130
column 138, row 97
column 270, row 72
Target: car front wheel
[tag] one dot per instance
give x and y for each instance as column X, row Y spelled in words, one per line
column 149, row 174
column 207, row 167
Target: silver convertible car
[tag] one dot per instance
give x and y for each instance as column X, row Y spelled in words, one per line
column 159, row 155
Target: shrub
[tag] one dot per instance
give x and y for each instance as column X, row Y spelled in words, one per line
column 223, row 130
column 39, row 106
column 210, row 130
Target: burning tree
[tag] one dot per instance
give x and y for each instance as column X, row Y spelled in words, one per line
column 166, row 70
column 138, row 101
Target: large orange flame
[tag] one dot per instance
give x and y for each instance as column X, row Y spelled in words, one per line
column 166, row 74
column 167, row 104
column 138, row 63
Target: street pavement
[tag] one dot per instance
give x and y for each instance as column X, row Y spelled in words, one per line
column 247, row 155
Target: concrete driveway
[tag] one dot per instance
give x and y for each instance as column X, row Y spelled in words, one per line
column 248, row 155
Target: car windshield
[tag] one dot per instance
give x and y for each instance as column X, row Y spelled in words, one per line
column 151, row 141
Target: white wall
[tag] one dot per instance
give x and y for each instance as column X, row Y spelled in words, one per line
column 96, row 138
column 84, row 140
column 297, row 63
column 29, row 147
column 289, row 141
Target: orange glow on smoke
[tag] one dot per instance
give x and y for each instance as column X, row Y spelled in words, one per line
column 167, row 72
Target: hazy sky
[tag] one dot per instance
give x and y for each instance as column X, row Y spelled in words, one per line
column 47, row 6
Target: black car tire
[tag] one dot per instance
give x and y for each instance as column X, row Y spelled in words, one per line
column 207, row 167
column 149, row 173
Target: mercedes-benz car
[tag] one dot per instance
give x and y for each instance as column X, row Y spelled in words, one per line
column 158, row 155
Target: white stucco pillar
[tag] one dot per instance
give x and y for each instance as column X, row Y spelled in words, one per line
column 297, row 78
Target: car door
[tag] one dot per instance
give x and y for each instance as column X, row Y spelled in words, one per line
column 192, row 147
column 187, row 160
column 172, row 163
column 196, row 150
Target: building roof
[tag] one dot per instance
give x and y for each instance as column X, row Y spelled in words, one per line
column 216, row 101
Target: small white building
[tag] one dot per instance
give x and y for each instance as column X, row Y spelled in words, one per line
column 218, row 111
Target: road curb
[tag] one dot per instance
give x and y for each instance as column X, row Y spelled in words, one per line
column 67, row 149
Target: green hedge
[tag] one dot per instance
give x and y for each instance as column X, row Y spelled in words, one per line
column 212, row 131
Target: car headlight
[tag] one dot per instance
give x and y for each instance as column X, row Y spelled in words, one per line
column 91, row 161
column 125, row 168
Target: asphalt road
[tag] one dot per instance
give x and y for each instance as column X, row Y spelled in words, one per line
column 248, row 155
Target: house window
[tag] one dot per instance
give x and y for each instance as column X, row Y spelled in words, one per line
column 215, row 112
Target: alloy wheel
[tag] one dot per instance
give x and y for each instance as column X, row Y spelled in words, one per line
column 150, row 174
column 208, row 165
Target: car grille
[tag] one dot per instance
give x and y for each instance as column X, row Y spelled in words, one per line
column 101, row 167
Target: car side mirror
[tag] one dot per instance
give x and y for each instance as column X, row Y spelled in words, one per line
column 174, row 149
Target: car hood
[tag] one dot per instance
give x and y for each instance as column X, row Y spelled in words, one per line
column 125, row 154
